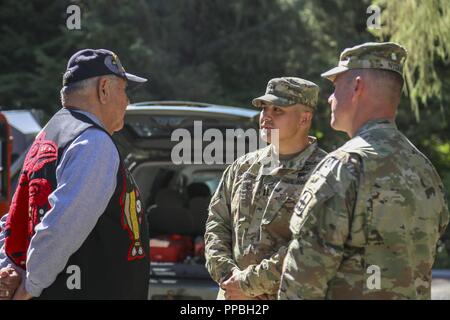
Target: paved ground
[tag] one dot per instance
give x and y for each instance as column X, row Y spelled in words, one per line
column 440, row 287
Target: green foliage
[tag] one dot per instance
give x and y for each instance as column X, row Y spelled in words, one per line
column 423, row 27
column 32, row 54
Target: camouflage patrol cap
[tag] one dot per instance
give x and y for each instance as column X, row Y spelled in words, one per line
column 287, row 91
column 370, row 55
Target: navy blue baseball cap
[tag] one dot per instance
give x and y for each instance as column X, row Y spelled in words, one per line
column 89, row 63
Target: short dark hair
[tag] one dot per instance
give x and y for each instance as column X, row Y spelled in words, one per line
column 390, row 77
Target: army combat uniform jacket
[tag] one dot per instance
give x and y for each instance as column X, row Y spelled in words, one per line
column 248, row 222
column 367, row 223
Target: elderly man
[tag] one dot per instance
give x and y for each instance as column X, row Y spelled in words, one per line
column 76, row 228
column 247, row 231
column 367, row 223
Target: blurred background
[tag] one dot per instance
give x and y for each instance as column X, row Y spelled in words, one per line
column 224, row 52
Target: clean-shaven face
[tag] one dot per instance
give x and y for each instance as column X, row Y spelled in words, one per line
column 342, row 110
column 285, row 119
column 119, row 103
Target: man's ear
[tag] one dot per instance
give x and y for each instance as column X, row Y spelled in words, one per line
column 358, row 86
column 306, row 118
column 103, row 90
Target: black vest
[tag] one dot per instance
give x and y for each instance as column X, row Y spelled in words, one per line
column 113, row 262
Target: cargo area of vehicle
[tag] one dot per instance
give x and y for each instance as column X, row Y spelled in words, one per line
column 176, row 195
column 176, row 198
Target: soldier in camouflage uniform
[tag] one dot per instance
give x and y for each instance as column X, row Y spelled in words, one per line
column 369, row 217
column 247, row 231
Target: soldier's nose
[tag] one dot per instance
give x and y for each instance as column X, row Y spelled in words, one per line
column 330, row 98
column 265, row 117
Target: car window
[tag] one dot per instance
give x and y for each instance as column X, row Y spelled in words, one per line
column 211, row 179
column 158, row 126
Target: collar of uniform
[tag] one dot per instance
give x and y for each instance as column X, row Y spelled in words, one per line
column 298, row 161
column 295, row 163
column 376, row 124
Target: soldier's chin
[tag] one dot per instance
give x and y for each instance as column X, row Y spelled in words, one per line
column 265, row 135
column 337, row 126
column 333, row 122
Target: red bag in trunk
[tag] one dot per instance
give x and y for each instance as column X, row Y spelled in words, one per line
column 173, row 248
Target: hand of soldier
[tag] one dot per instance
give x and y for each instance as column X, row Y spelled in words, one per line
column 233, row 290
column 9, row 281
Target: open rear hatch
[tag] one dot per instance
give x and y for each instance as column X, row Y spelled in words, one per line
column 149, row 135
column 151, row 132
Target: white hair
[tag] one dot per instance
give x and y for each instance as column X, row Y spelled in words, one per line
column 81, row 87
